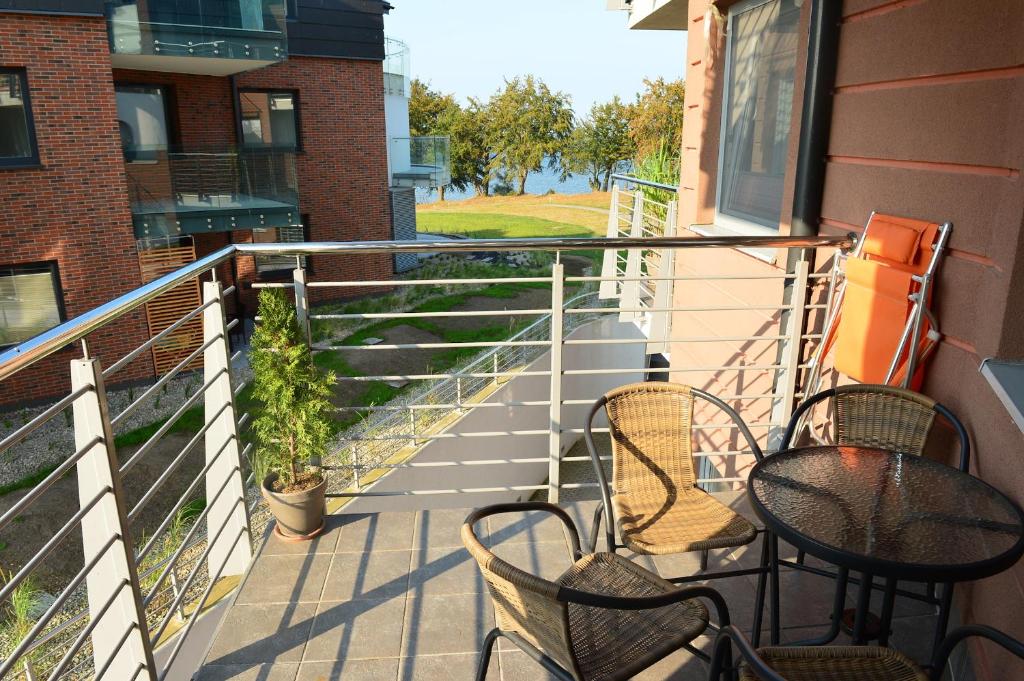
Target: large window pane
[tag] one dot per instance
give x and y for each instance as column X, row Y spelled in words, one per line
column 269, row 119
column 29, row 301
column 758, row 110
column 17, row 139
column 142, row 119
column 266, row 264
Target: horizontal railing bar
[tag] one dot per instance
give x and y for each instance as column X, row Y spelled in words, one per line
column 196, row 524
column 451, row 405
column 436, row 464
column 435, row 377
column 273, row 284
column 101, row 672
column 232, row 324
column 414, row 493
column 41, row 487
column 39, row 556
column 168, row 424
column 242, row 420
column 241, row 386
column 163, row 380
column 692, row 339
column 175, row 463
column 49, row 342
column 666, row 370
column 80, row 640
column 428, row 282
column 645, row 183
column 234, row 357
column 438, row 346
column 121, row 363
column 228, row 291
column 695, row 426
column 418, row 315
column 444, row 436
column 56, row 606
column 717, row 308
column 710, row 277
column 40, row 419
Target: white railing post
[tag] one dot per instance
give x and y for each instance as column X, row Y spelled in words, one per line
column 661, row 322
column 302, row 304
column 115, row 576
column 671, row 218
column 791, row 353
column 230, row 510
column 555, row 410
column 630, row 299
column 610, row 263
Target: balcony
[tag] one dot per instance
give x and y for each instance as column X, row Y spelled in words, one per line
column 654, row 15
column 397, row 70
column 198, row 192
column 388, row 592
column 422, row 162
column 207, row 37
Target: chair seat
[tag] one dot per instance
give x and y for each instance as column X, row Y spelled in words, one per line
column 692, row 521
column 837, row 663
column 618, row 644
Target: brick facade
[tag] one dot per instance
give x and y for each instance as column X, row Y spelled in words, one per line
column 74, row 207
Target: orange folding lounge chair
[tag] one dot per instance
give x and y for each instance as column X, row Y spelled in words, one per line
column 879, row 323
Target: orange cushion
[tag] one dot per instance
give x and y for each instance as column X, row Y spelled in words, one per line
column 903, row 242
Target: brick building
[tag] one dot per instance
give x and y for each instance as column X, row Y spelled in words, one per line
column 137, row 136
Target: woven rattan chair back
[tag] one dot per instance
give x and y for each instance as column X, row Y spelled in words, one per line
column 650, row 426
column 883, row 416
column 525, row 604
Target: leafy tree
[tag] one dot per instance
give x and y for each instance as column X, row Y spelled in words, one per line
column 466, row 127
column 294, row 424
column 656, row 119
column 425, row 107
column 528, row 124
column 600, row 143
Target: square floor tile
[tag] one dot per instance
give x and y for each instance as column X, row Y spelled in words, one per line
column 376, row 532
column 374, row 575
column 459, row 667
column 442, row 528
column 354, row 630
column 248, row 672
column 324, row 543
column 447, row 624
column 253, row 634
column 286, row 579
column 445, row 571
column 349, row 670
column 525, row 526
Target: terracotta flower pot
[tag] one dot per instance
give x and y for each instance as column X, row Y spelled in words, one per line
column 299, row 515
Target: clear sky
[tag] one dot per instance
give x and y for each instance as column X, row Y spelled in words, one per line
column 468, row 47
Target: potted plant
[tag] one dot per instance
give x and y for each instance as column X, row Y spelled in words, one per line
column 293, row 424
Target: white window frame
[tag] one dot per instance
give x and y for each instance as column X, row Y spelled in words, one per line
column 724, row 222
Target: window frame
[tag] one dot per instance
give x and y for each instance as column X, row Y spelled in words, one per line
column 282, row 273
column 297, row 108
column 58, row 289
column 32, row 161
column 168, row 95
column 732, row 223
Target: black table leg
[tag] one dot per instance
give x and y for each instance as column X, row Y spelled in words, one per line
column 888, row 604
column 945, row 604
column 773, row 559
column 863, row 605
column 762, row 582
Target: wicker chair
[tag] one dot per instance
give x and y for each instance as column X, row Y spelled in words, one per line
column 654, row 501
column 841, row 663
column 605, row 618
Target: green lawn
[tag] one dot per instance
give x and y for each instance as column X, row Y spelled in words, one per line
column 495, row 225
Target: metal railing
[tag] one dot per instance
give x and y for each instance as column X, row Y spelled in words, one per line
column 133, row 590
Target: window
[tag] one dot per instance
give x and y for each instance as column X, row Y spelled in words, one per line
column 269, row 265
column 269, row 119
column 17, row 131
column 30, row 301
column 757, row 112
column 142, row 119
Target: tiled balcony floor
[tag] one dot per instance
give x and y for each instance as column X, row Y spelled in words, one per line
column 395, row 596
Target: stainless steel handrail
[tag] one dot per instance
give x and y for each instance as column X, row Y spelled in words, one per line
column 645, row 183
column 45, row 344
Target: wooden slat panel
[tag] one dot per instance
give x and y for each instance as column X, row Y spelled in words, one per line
column 172, row 306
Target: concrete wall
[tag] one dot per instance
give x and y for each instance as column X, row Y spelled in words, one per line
column 524, row 388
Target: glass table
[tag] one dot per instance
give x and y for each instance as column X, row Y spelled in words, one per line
column 888, row 515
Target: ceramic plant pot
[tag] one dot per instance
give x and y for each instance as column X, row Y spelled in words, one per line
column 299, row 515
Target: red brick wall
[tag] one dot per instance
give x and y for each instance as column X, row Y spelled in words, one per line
column 343, row 181
column 74, row 208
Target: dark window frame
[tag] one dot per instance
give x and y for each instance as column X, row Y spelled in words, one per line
column 32, row 161
column 282, row 273
column 291, row 10
column 169, row 96
column 296, row 103
column 35, row 268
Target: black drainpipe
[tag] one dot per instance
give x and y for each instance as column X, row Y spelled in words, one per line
column 815, row 124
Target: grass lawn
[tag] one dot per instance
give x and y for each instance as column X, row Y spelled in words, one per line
column 518, row 216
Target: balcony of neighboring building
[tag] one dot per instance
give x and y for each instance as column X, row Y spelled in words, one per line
column 208, row 37
column 654, row 15
column 421, row 162
column 397, row 69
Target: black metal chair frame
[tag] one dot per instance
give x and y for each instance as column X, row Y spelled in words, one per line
column 722, row 661
column 866, row 585
column 595, row 600
column 604, row 509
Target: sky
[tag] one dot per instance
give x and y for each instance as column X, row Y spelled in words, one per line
column 468, row 47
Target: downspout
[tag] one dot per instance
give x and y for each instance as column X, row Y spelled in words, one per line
column 815, row 126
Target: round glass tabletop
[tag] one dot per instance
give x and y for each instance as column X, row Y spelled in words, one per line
column 893, row 515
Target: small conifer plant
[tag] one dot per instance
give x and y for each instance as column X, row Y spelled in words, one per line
column 293, row 423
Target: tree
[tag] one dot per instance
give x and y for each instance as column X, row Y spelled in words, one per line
column 425, row 107
column 294, row 424
column 528, row 125
column 600, row 143
column 470, row 156
column 656, row 119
